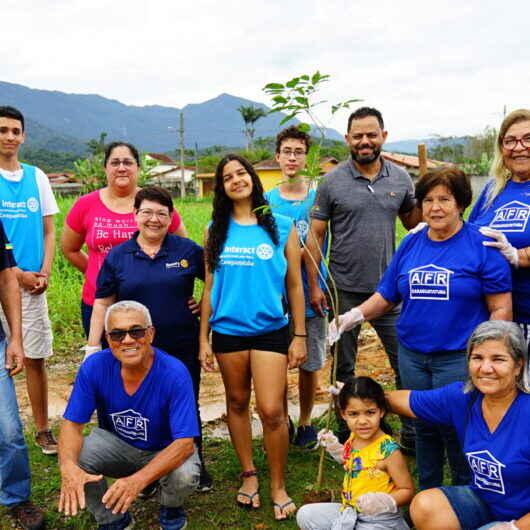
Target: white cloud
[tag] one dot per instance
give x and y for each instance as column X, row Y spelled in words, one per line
column 445, row 68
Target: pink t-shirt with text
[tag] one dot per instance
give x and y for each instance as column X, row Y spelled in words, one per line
column 102, row 229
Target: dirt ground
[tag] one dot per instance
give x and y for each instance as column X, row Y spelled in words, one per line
column 371, row 361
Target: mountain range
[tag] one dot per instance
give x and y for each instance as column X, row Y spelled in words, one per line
column 61, row 122
column 65, row 122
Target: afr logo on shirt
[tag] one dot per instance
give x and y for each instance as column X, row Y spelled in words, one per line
column 511, row 217
column 487, row 471
column 130, row 424
column 429, row 283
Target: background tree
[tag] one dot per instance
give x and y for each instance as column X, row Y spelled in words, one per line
column 250, row 115
column 97, row 146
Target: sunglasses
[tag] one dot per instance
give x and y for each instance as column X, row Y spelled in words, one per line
column 118, row 335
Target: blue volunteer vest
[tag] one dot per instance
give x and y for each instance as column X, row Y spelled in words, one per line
column 21, row 214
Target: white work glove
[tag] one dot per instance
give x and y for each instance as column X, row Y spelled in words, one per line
column 505, row 525
column 89, row 350
column 417, row 228
column 331, row 443
column 376, row 503
column 504, row 246
column 347, row 321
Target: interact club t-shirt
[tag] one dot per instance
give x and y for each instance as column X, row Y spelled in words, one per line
column 161, row 410
column 102, row 229
column 443, row 285
column 248, row 286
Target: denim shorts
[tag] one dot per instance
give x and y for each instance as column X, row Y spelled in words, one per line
column 470, row 510
column 275, row 341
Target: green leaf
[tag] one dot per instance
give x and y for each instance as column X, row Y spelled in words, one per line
column 279, row 99
column 315, row 78
column 302, row 101
column 292, row 83
column 288, row 117
column 334, row 108
column 304, row 127
column 274, row 86
column 305, row 77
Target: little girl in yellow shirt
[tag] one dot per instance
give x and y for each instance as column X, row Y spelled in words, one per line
column 377, row 480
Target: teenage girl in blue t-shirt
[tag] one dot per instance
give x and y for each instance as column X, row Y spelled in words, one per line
column 252, row 257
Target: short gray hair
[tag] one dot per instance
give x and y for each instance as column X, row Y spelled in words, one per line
column 511, row 335
column 126, row 306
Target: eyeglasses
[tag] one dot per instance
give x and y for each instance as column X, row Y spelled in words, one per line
column 145, row 212
column 127, row 162
column 117, row 335
column 298, row 153
column 511, row 142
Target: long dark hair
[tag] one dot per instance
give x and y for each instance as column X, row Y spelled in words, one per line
column 222, row 209
column 365, row 388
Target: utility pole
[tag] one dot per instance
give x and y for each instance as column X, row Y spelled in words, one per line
column 182, row 180
column 196, row 171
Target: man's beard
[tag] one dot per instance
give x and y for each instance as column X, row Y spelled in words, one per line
column 363, row 160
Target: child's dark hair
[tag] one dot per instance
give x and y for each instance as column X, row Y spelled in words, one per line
column 365, row 388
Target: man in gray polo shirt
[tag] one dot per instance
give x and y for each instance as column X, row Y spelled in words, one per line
column 361, row 199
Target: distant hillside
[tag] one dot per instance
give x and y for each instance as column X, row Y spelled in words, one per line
column 411, row 146
column 58, row 120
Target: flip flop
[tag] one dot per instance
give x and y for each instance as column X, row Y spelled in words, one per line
column 282, row 507
column 247, row 505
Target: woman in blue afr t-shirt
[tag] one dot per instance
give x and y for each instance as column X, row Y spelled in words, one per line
column 448, row 282
column 252, row 258
column 490, row 414
column 503, row 207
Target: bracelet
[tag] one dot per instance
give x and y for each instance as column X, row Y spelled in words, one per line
column 299, row 335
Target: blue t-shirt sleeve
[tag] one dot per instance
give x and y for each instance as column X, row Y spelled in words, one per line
column 437, row 406
column 496, row 273
column 107, row 281
column 82, row 402
column 182, row 410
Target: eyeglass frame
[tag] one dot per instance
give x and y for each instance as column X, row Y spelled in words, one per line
column 525, row 138
column 132, row 332
column 291, row 152
column 161, row 216
column 126, row 162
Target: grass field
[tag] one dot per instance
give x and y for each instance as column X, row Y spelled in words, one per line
column 215, row 509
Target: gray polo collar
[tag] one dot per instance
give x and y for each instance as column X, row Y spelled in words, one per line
column 384, row 172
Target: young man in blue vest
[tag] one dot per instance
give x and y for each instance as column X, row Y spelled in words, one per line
column 27, row 206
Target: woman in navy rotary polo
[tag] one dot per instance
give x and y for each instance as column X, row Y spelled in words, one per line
column 157, row 269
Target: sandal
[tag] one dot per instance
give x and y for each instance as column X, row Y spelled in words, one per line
column 250, row 496
column 282, row 507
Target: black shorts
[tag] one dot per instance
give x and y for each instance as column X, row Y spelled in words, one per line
column 276, row 341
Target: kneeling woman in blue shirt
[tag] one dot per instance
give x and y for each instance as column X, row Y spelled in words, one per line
column 449, row 282
column 490, row 414
column 252, row 258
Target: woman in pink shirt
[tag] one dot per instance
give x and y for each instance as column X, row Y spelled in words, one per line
column 104, row 218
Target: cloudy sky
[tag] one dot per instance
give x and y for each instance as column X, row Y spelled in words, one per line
column 430, row 67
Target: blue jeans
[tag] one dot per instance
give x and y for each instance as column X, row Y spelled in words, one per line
column 15, row 480
column 420, row 371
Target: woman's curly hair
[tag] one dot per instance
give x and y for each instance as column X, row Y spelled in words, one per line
column 222, row 210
